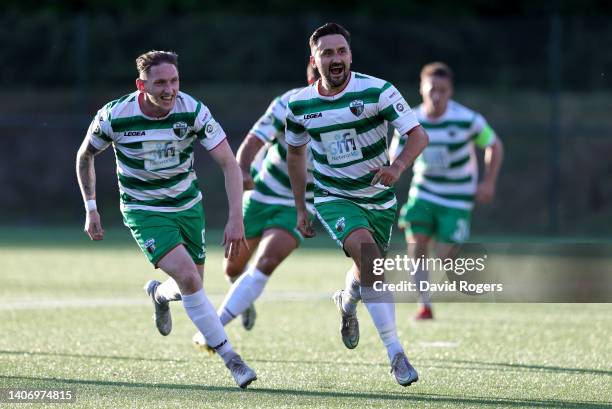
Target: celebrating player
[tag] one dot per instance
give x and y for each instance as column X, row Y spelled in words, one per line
column 269, row 213
column 445, row 181
column 153, row 131
column 344, row 117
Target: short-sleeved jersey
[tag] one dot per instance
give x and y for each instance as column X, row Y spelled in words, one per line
column 155, row 155
column 271, row 176
column 348, row 137
column 446, row 173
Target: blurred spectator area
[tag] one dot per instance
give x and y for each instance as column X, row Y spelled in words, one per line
column 543, row 83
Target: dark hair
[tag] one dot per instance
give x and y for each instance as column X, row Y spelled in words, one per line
column 437, row 69
column 312, row 73
column 329, row 29
column 153, row 58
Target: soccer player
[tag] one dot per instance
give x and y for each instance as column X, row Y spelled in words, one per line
column 153, row 131
column 344, row 117
column 445, row 181
column 269, row 213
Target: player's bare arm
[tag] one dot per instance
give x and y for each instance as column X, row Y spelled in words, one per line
column 86, row 174
column 296, row 164
column 233, row 236
column 417, row 141
column 493, row 158
column 245, row 155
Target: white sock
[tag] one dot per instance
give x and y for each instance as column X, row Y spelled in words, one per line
column 167, row 291
column 352, row 288
column 243, row 293
column 203, row 315
column 422, row 275
column 383, row 315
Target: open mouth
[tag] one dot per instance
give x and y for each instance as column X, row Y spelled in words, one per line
column 167, row 98
column 336, row 69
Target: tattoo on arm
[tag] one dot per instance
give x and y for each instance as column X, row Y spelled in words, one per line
column 85, row 170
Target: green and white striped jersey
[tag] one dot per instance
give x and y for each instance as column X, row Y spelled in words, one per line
column 446, row 173
column 272, row 185
column 155, row 155
column 348, row 135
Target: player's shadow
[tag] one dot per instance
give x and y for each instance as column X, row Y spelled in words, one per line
column 504, row 366
column 444, row 364
column 292, row 393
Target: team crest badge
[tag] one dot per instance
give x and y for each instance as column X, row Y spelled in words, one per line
column 180, row 129
column 356, row 107
column 340, row 224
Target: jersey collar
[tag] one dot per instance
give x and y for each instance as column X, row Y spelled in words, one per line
column 339, row 94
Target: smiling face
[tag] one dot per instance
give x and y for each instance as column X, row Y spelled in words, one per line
column 159, row 86
column 331, row 55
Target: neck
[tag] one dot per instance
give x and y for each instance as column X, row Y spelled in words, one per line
column 434, row 113
column 328, row 90
column 150, row 109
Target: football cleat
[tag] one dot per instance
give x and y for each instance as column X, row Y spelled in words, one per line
column 243, row 375
column 200, row 344
column 404, row 373
column 248, row 317
column 349, row 329
column 161, row 316
column 424, row 313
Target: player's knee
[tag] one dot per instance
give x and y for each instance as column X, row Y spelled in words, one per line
column 268, row 263
column 232, row 270
column 417, row 245
column 189, row 281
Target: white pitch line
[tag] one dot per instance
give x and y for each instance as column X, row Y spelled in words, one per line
column 56, row 303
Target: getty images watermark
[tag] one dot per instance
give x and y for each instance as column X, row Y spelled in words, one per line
column 520, row 271
column 411, row 266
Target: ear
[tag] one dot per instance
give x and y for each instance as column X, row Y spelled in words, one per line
column 140, row 84
column 312, row 61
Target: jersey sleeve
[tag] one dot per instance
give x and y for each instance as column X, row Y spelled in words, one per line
column 99, row 133
column 295, row 133
column 209, row 131
column 271, row 123
column 394, row 108
column 484, row 135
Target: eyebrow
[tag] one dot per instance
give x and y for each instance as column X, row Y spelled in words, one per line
column 164, row 80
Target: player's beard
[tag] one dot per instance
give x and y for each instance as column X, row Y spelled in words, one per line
column 342, row 80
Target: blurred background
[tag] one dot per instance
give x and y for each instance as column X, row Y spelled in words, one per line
column 538, row 72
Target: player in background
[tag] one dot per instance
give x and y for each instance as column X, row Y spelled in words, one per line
column 153, row 131
column 344, row 118
column 445, row 182
column 269, row 213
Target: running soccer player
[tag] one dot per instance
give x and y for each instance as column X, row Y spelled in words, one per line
column 445, row 181
column 269, row 213
column 344, row 117
column 153, row 131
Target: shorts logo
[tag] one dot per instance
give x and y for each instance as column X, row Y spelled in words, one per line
column 356, row 107
column 400, row 107
column 150, row 245
column 180, row 129
column 340, row 224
